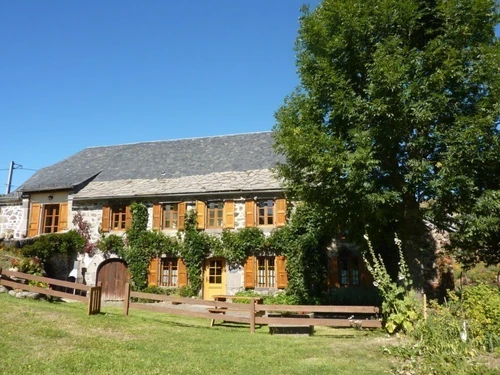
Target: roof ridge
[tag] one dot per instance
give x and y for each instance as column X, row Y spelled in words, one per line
column 180, row 139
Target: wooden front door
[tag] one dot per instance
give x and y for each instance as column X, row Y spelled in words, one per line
column 113, row 274
column 214, row 278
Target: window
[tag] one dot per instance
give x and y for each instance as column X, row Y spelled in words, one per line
column 50, row 218
column 118, row 218
column 47, row 218
column 171, row 216
column 169, row 272
column 349, row 271
column 215, row 212
column 265, row 212
column 215, row 268
column 266, row 272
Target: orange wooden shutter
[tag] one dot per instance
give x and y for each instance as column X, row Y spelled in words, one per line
column 333, row 281
column 280, row 205
column 249, row 271
column 153, row 272
column 282, row 276
column 106, row 213
column 182, row 214
column 34, row 220
column 229, row 214
column 200, row 215
column 157, row 216
column 63, row 217
column 128, row 217
column 182, row 272
column 249, row 214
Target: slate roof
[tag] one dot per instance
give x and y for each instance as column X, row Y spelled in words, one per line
column 11, row 197
column 165, row 163
column 247, row 181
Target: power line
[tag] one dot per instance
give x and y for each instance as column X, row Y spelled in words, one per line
column 26, row 169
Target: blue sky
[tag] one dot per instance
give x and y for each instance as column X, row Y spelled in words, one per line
column 86, row 73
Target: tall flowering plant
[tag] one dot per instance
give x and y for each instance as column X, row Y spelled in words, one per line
column 400, row 308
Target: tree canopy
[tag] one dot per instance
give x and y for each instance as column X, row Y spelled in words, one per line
column 395, row 123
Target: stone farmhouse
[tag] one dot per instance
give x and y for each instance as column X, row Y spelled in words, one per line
column 227, row 179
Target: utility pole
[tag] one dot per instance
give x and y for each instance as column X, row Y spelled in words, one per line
column 9, row 179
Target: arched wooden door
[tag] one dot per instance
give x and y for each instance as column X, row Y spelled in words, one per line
column 113, row 274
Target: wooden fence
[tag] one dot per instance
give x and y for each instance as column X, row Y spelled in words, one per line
column 15, row 280
column 253, row 313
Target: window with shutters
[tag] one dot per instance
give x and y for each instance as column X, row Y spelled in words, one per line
column 349, row 271
column 50, row 218
column 265, row 212
column 266, row 272
column 171, row 216
column 169, row 272
column 215, row 214
column 118, row 217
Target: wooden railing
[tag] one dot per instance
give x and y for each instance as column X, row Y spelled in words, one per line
column 253, row 312
column 12, row 279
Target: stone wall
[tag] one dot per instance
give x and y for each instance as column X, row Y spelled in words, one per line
column 91, row 213
column 12, row 217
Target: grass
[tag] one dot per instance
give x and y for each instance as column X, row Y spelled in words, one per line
column 39, row 337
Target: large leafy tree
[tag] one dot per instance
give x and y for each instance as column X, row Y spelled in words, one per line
column 395, row 122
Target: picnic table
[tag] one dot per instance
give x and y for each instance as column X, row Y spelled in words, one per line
column 224, row 298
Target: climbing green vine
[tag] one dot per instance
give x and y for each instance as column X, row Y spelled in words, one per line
column 193, row 251
column 303, row 242
column 142, row 245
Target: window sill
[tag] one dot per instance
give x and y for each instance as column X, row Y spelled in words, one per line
column 213, row 230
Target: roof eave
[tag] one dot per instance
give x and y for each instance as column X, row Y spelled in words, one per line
column 182, row 194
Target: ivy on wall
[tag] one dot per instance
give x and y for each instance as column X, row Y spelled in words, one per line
column 302, row 241
column 143, row 245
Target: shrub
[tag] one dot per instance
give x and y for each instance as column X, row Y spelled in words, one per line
column 111, row 244
column 481, row 307
column 155, row 290
column 188, row 291
column 45, row 246
column 32, row 266
column 438, row 348
column 279, row 298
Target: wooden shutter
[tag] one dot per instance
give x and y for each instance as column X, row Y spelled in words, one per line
column 280, row 205
column 282, row 276
column 34, row 220
column 182, row 215
column 153, row 272
column 249, row 271
column 229, row 214
column 157, row 224
column 106, row 215
column 200, row 215
column 182, row 279
column 63, row 217
column 249, row 214
column 333, row 280
column 128, row 217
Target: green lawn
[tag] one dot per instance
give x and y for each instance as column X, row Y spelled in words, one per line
column 38, row 337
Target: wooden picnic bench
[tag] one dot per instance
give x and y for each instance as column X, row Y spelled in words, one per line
column 224, row 298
